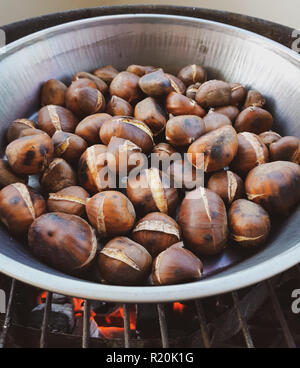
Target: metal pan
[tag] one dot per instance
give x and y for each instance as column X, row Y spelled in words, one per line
column 227, row 52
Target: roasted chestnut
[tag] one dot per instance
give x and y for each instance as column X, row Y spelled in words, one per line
column 119, row 106
column 203, row 221
column 15, row 128
column 72, row 93
column 89, row 127
column 126, row 86
column 184, row 130
column 156, row 232
column 68, row 146
column 59, row 175
column 184, row 175
column 214, row 120
column 214, row 150
column 31, row 131
column 155, row 83
column 163, row 150
column 53, row 93
column 253, row 119
column 19, row 207
column 176, row 84
column 111, row 213
column 106, row 73
column 214, row 93
column 7, row 176
column 192, row 90
column 238, row 94
column 251, row 152
column 254, row 98
column 124, row 262
column 285, row 149
column 151, row 113
column 178, row 104
column 176, row 265
column 230, row 111
column 249, row 223
column 86, row 101
column 275, row 186
column 65, row 242
column 92, row 169
column 228, row 185
column 30, row 155
column 191, row 74
column 150, row 191
column 127, row 128
column 139, row 70
column 269, row 137
column 100, row 84
column 52, row 118
column 68, row 200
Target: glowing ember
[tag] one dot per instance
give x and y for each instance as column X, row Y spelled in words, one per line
column 178, row 307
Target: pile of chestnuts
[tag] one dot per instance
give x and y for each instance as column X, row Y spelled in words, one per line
column 147, row 231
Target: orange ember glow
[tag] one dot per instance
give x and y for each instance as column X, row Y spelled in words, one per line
column 178, row 307
column 42, row 297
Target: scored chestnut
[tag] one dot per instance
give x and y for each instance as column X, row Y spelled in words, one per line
column 192, row 74
column 178, row 104
column 30, row 155
column 192, row 90
column 214, row 120
column 111, row 213
column 52, row 118
column 16, row 127
column 203, row 221
column 155, row 83
column 124, row 262
column 70, row 251
column 214, row 93
column 227, row 184
column 214, row 150
column 285, row 149
column 156, row 232
column 20, row 205
column 253, row 119
column 176, row 84
column 126, row 86
column 89, row 127
column 150, row 191
column 176, row 265
column 53, row 93
column 139, row 70
column 119, row 106
column 269, row 137
column 275, row 186
column 106, row 73
column 163, row 150
column 7, row 176
column 254, row 98
column 68, row 200
column 100, row 84
column 86, row 101
column 249, row 223
column 238, row 93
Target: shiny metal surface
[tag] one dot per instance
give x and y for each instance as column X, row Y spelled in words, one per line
column 172, row 42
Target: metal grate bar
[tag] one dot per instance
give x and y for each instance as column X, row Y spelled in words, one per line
column 163, row 325
column 126, row 325
column 202, row 322
column 242, row 320
column 279, row 313
column 7, row 319
column 45, row 325
column 86, row 324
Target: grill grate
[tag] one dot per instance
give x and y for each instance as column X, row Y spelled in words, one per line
column 204, row 328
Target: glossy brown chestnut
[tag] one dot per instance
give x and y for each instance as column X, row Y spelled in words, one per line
column 176, row 265
column 285, row 149
column 106, row 73
column 228, row 185
column 68, row 146
column 184, row 175
column 111, row 213
column 253, row 119
column 87, row 101
column 69, row 200
column 151, row 192
column 89, row 127
column 19, row 207
column 251, row 152
column 69, row 251
column 203, row 221
column 275, row 186
column 52, row 118
column 230, row 111
column 31, row 131
column 238, row 93
column 93, row 170
column 254, row 98
column 118, row 106
column 127, row 128
column 72, row 92
column 184, row 129
column 191, row 74
column 16, row 127
column 156, row 232
column 214, row 120
column 126, row 86
column 249, row 223
column 30, row 155
column 59, row 175
column 214, row 93
column 177, row 85
column 163, row 150
column 7, row 176
column 151, row 113
column 178, row 104
column 139, row 70
column 214, row 150
column 53, row 93
column 192, row 90
column 269, row 137
column 124, row 262
column 123, row 156
column 155, row 83
column 100, row 84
